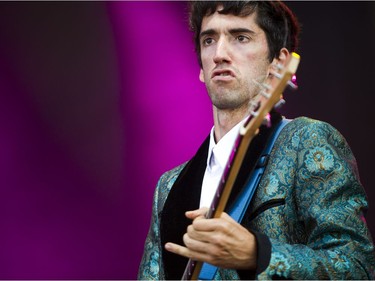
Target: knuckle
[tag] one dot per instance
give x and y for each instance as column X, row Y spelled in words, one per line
column 218, row 240
column 186, row 239
column 220, row 228
column 225, row 225
column 189, row 229
column 195, row 222
column 211, row 259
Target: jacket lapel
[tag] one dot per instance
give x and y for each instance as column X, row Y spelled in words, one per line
column 184, row 196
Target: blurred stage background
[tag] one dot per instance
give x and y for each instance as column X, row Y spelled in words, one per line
column 97, row 99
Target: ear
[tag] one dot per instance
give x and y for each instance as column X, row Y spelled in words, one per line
column 201, row 75
column 283, row 55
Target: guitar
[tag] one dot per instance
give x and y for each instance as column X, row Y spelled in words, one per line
column 269, row 96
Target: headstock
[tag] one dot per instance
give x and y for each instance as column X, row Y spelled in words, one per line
column 271, row 93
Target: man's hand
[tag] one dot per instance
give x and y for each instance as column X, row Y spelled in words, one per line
column 221, row 242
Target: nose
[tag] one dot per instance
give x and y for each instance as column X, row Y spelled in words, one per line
column 222, row 52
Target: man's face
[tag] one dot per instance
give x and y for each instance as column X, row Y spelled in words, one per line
column 234, row 53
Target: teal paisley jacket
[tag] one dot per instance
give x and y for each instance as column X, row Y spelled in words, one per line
column 309, row 206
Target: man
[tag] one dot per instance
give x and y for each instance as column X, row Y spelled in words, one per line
column 305, row 220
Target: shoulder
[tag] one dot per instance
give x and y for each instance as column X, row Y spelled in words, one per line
column 306, row 125
column 168, row 178
column 317, row 146
column 304, row 131
column 165, row 183
column 304, row 138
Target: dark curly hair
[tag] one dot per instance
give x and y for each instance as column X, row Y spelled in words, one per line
column 273, row 17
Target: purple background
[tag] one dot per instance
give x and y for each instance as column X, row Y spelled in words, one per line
column 97, row 99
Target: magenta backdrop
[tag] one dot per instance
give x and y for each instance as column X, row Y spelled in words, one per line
column 98, row 99
column 167, row 113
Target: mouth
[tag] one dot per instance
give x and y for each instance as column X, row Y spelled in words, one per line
column 222, row 73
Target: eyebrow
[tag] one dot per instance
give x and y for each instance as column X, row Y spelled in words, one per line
column 231, row 31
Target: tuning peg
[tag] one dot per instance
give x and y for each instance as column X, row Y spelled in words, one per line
column 254, row 113
column 277, row 75
column 278, row 66
column 267, row 121
column 293, row 83
column 265, row 94
column 280, row 103
column 254, row 104
column 262, row 85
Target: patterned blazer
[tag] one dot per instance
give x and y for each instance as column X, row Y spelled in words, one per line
column 307, row 212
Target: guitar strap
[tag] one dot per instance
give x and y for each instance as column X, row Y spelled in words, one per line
column 238, row 209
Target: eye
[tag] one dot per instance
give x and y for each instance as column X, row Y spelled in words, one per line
column 207, row 41
column 242, row 38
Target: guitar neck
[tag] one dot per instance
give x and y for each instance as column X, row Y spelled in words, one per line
column 228, row 178
column 222, row 194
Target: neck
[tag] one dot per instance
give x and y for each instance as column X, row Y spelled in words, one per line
column 225, row 120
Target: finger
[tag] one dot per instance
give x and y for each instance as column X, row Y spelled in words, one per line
column 202, row 251
column 177, row 249
column 210, row 225
column 227, row 217
column 199, row 213
column 200, row 234
column 185, row 252
column 197, row 242
column 192, row 250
